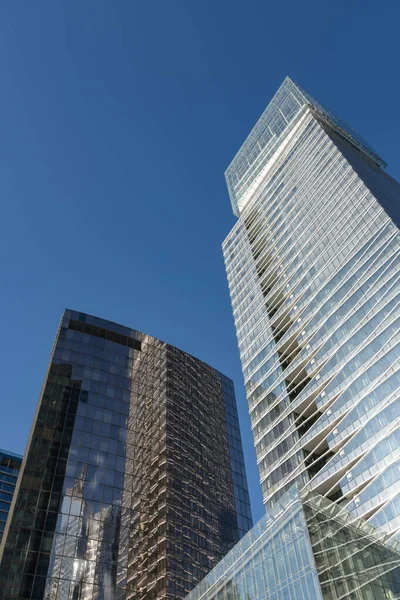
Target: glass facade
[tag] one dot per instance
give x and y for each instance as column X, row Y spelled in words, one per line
column 305, row 548
column 10, row 465
column 313, row 267
column 134, row 483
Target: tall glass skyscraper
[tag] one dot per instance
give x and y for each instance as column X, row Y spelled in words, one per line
column 10, row 465
column 313, row 266
column 133, row 484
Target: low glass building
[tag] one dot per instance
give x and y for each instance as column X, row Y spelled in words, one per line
column 10, row 464
column 305, row 548
column 133, row 483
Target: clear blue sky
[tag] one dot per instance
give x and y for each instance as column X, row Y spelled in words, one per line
column 118, row 120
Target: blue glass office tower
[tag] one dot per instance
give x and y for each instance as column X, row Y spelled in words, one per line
column 133, row 485
column 313, row 266
column 10, row 465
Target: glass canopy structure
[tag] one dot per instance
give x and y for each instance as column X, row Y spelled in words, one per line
column 305, row 548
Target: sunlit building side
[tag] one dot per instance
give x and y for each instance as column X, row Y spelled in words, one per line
column 313, row 266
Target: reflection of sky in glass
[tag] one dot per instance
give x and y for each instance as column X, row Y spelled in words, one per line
column 148, row 488
column 304, row 549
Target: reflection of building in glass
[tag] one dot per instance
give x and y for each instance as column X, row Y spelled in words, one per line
column 10, row 465
column 85, row 548
column 134, row 483
column 306, row 548
column 313, row 271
